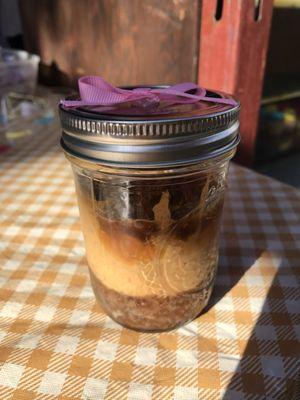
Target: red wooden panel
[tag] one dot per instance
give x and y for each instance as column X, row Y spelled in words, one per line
column 233, row 57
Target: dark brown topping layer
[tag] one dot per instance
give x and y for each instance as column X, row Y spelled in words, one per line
column 140, row 229
column 143, row 209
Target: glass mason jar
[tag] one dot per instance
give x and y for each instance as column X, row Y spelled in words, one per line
column 150, row 192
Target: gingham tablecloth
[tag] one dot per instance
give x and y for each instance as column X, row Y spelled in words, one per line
column 56, row 343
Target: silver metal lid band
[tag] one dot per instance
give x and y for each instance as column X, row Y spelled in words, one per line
column 118, row 152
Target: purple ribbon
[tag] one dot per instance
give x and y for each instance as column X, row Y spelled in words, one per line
column 95, row 91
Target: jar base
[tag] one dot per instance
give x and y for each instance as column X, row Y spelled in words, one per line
column 152, row 313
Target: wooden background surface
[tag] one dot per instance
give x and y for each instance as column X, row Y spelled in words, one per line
column 125, row 41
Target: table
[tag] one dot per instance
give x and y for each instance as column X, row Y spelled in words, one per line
column 56, row 343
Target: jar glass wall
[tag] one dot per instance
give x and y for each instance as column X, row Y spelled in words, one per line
column 151, row 238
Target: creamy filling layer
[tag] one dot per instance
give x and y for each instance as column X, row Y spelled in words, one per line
column 162, row 264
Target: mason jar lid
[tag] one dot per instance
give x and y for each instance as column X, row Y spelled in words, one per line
column 126, row 136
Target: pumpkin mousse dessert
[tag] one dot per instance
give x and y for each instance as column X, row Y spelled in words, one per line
column 152, row 249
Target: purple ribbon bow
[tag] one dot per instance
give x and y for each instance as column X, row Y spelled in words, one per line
column 95, row 91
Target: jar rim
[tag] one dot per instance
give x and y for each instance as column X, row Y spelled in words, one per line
column 196, row 134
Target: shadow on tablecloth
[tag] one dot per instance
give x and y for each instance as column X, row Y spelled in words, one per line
column 270, row 365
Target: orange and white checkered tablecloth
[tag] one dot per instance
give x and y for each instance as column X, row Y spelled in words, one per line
column 56, row 343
